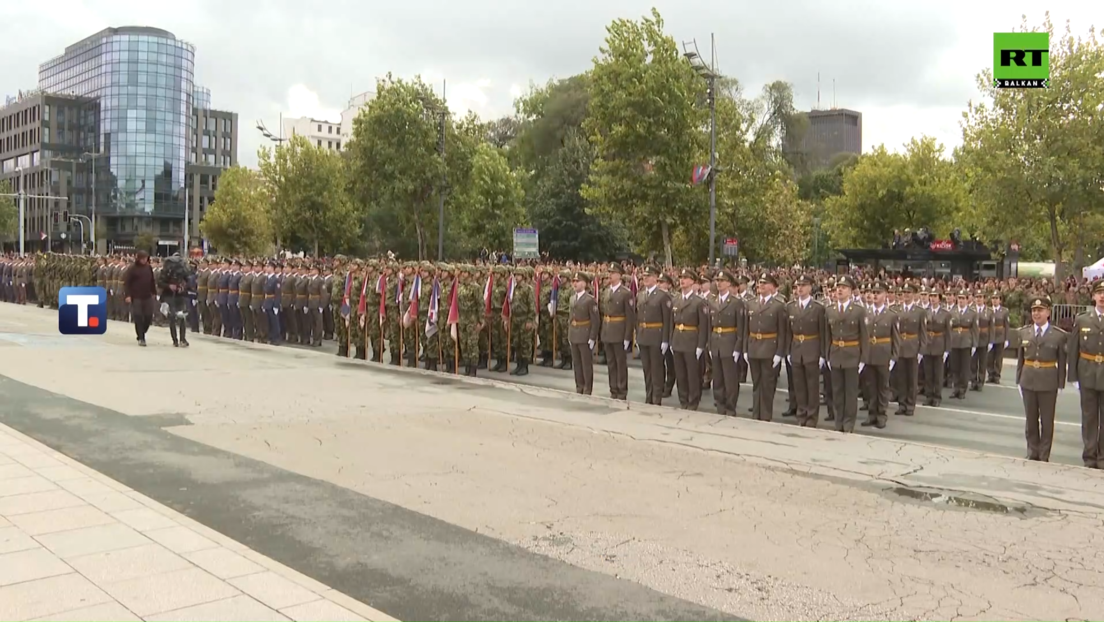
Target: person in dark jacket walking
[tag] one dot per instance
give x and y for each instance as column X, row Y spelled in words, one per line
column 174, row 300
column 140, row 288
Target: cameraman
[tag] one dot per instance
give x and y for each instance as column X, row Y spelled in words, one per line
column 175, row 302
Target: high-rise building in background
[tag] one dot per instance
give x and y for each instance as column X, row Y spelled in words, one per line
column 113, row 127
column 326, row 134
column 830, row 133
column 213, row 148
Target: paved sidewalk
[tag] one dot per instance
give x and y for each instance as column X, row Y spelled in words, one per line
column 76, row 545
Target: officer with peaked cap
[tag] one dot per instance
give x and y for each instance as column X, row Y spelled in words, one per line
column 653, row 333
column 1040, row 373
column 912, row 330
column 583, row 332
column 618, row 320
column 1086, row 372
column 729, row 314
column 848, row 334
column 766, row 345
column 964, row 342
column 807, row 328
column 690, row 316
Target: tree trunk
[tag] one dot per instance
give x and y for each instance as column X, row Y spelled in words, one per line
column 316, row 248
column 420, row 234
column 1056, row 246
column 666, row 232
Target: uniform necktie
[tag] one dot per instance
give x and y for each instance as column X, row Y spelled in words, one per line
column 1038, row 332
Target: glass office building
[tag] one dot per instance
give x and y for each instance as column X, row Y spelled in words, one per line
column 143, row 79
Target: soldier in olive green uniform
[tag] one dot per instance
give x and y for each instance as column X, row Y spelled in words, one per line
column 547, row 317
column 470, row 303
column 1086, row 371
column 1041, row 373
column 346, row 312
column 523, row 320
column 563, row 319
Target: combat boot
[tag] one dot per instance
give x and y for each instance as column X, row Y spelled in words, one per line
column 483, row 358
column 474, row 371
column 500, row 366
column 342, row 350
column 546, row 359
column 522, row 368
column 394, row 357
column 565, row 363
column 360, row 354
column 431, row 365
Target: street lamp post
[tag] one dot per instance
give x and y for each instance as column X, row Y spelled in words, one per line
column 279, row 140
column 709, row 73
column 93, row 157
column 22, row 214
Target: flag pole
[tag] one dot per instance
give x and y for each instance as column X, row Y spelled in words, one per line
column 509, row 330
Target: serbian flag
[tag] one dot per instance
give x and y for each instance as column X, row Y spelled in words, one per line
column 700, row 174
column 362, row 305
column 487, row 292
column 399, row 290
column 381, row 289
column 454, row 310
column 555, row 298
column 536, row 293
column 597, row 287
column 346, row 309
column 415, row 292
column 509, row 298
column 434, row 302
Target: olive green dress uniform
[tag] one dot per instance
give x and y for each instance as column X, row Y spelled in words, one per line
column 1040, row 373
column 583, row 329
column 884, row 350
column 653, row 331
column 214, row 318
column 689, row 340
column 1086, row 368
column 618, row 319
column 301, row 332
column 289, row 304
column 327, row 302
column 726, row 339
column 316, row 290
column 808, row 343
column 999, row 327
column 337, row 295
column 848, row 337
column 912, row 328
column 766, row 338
column 936, row 352
column 245, row 300
column 202, row 277
column 979, row 363
column 964, row 338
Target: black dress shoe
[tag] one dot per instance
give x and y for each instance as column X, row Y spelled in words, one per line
column 868, row 423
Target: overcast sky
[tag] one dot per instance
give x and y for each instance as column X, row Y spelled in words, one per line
column 907, row 66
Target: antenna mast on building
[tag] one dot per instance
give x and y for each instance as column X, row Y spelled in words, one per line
column 833, row 93
column 818, row 91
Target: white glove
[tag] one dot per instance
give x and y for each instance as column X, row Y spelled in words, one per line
column 1006, row 343
column 306, row 310
column 736, row 356
column 892, row 364
column 663, row 347
column 992, row 346
column 590, row 343
column 945, row 355
column 320, row 309
column 789, row 359
column 1021, row 391
column 276, row 310
column 919, row 357
column 1077, row 385
column 626, row 345
column 973, row 351
column 861, row 367
column 776, row 361
column 165, row 309
column 216, row 303
column 823, row 362
column 697, row 353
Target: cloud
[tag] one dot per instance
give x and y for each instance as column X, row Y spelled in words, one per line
column 303, row 102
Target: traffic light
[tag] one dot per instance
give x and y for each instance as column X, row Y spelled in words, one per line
column 57, row 217
column 65, row 216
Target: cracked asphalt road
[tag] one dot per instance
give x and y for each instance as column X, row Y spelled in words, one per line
column 760, row 521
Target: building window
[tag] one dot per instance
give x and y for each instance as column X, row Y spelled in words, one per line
column 339, row 145
column 330, row 129
column 46, row 112
column 46, row 134
column 204, row 180
column 319, row 142
column 329, row 144
column 319, row 128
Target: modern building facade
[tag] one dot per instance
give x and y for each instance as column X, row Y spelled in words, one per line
column 830, row 133
column 47, row 146
column 213, row 147
column 142, row 80
column 355, row 105
column 320, row 133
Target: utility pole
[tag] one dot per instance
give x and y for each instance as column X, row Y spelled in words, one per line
column 443, row 129
column 187, row 214
column 709, row 73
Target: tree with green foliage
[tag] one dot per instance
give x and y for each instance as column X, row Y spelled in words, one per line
column 885, row 192
column 145, row 241
column 9, row 212
column 239, row 222
column 1033, row 158
column 492, row 204
column 646, row 131
column 310, row 205
column 395, row 163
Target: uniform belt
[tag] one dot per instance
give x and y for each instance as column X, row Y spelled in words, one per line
column 935, row 333
column 685, row 328
column 580, row 322
column 761, row 336
column 300, row 295
column 724, row 330
column 984, row 330
column 270, row 295
column 908, row 335
column 613, row 318
column 960, row 330
column 1095, row 358
column 804, row 338
column 845, row 344
column 651, row 325
column 1041, row 364
column 222, row 291
column 881, row 340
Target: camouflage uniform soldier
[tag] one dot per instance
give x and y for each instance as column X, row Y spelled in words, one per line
column 429, row 342
column 470, row 302
column 359, row 322
column 523, row 318
column 447, row 274
column 337, row 294
column 497, row 327
column 563, row 318
column 479, row 280
column 544, row 327
column 395, row 287
column 370, row 331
